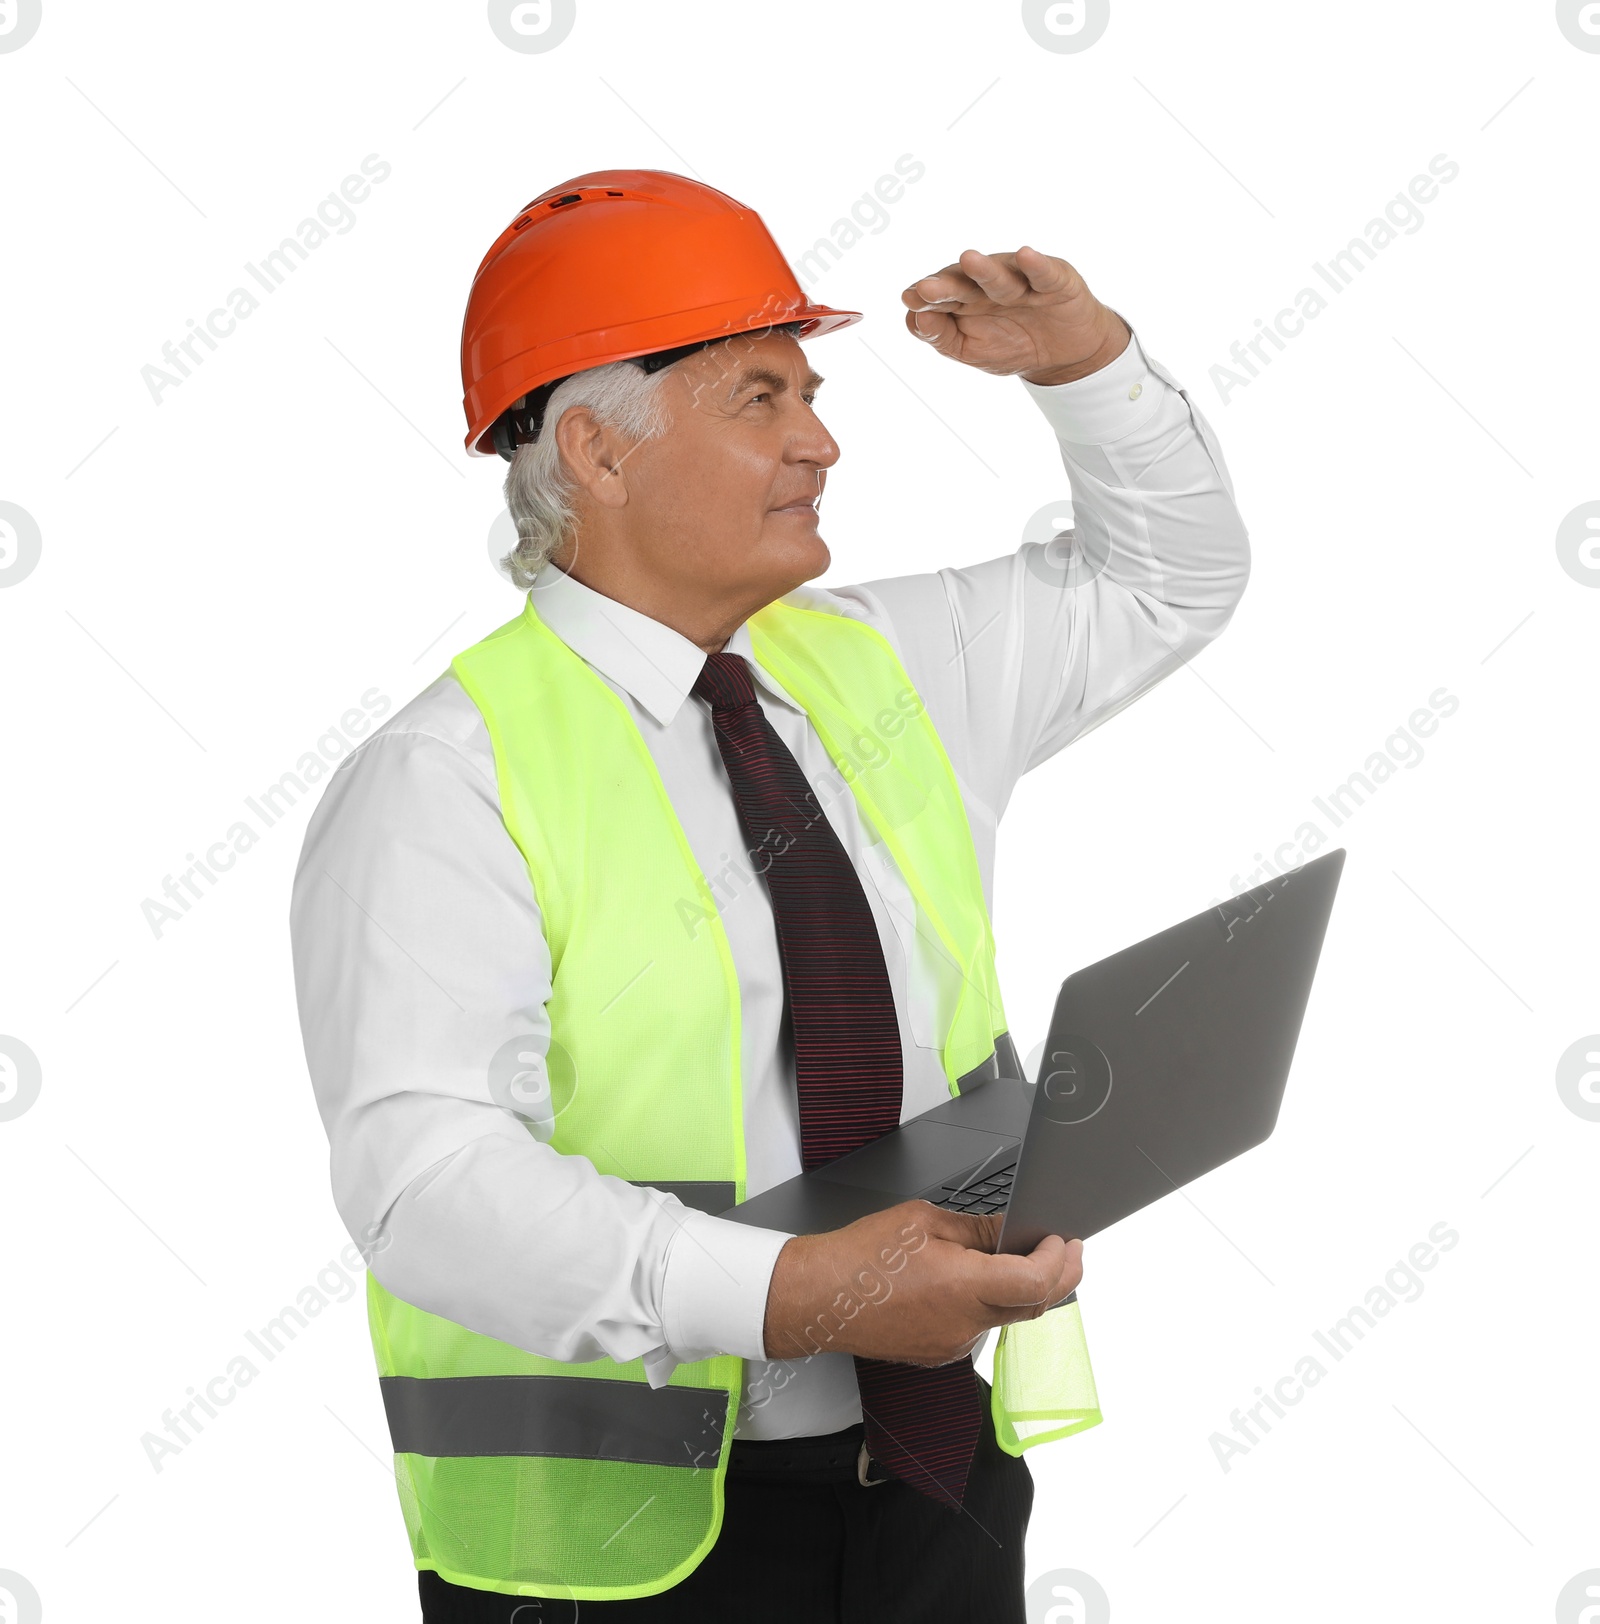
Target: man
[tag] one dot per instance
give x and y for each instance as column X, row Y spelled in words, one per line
column 676, row 885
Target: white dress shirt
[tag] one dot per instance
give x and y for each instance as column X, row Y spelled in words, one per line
column 419, row 954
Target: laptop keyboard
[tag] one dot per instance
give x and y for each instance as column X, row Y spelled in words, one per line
column 990, row 1193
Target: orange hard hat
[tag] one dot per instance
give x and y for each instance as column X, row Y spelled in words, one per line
column 616, row 265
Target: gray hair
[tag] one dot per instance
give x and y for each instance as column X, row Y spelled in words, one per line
column 539, row 488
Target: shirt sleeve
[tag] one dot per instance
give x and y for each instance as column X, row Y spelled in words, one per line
column 1060, row 634
column 422, row 975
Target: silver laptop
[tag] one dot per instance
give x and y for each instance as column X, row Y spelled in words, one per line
column 1162, row 1062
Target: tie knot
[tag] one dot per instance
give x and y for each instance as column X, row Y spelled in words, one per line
column 725, row 681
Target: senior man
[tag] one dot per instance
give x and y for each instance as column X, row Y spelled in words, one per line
column 678, row 884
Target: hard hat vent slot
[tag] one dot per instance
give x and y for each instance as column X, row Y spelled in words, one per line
column 526, row 216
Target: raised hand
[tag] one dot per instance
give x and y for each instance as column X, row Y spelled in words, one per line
column 1026, row 314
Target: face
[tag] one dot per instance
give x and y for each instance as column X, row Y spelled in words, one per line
column 723, row 503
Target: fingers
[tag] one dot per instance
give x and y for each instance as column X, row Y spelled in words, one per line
column 960, row 1353
column 1044, row 272
column 1071, row 1275
column 935, row 328
column 1071, row 1271
column 951, row 285
column 1024, row 1287
column 978, row 280
column 979, row 1232
column 974, row 280
column 997, row 276
column 1025, row 1282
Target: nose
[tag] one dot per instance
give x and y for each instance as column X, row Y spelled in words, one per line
column 812, row 442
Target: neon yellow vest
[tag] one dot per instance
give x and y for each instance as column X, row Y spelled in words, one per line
column 534, row 1477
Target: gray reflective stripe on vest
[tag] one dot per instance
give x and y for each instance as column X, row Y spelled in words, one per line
column 586, row 1417
column 704, row 1195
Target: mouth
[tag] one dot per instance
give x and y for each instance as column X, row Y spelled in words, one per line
column 807, row 506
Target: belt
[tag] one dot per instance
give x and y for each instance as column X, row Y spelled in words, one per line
column 828, row 1457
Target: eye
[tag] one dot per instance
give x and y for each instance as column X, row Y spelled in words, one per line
column 766, row 395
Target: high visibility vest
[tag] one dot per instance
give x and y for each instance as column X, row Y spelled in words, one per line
column 532, row 1476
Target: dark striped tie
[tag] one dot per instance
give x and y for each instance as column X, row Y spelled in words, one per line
column 922, row 1423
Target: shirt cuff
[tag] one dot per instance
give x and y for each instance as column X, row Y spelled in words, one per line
column 1105, row 405
column 713, row 1292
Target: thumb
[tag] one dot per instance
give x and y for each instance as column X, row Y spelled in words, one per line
column 978, row 1232
column 1034, row 1281
column 936, row 328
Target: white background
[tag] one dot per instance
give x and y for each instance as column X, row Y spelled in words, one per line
column 297, row 523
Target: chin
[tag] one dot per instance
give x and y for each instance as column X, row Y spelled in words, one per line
column 779, row 566
column 810, row 562
column 795, row 559
column 822, row 556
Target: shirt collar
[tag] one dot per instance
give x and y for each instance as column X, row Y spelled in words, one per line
column 646, row 658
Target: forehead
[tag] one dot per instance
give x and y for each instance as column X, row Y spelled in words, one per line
column 776, row 358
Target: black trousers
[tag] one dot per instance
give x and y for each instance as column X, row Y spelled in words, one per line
column 794, row 1551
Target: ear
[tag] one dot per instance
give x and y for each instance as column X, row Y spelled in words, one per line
column 595, row 456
